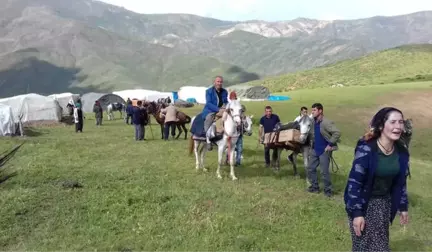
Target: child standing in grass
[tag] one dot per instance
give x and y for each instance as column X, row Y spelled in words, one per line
column 376, row 188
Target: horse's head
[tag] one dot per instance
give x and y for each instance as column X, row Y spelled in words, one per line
column 305, row 123
column 248, row 125
column 235, row 110
column 408, row 129
column 152, row 108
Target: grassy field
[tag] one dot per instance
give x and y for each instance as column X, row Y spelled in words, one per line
column 148, row 196
column 401, row 64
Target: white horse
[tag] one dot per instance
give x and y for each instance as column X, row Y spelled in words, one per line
column 247, row 130
column 232, row 119
column 305, row 123
column 116, row 106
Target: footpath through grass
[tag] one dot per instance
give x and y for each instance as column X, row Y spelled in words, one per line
column 148, row 196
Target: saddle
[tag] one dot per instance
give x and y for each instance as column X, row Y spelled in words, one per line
column 219, row 123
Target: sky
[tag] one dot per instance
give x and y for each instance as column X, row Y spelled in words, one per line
column 277, row 10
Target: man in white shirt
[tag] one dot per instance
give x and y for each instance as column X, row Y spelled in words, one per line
column 303, row 111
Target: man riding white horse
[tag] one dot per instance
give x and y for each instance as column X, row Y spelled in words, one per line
column 216, row 100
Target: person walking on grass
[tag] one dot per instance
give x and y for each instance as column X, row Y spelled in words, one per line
column 324, row 138
column 376, row 189
column 267, row 124
column 170, row 114
column 129, row 111
column 78, row 117
column 97, row 109
column 137, row 120
column 143, row 120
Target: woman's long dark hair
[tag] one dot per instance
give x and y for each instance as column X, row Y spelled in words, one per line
column 378, row 121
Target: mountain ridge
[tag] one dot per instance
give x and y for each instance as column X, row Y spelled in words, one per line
column 118, row 49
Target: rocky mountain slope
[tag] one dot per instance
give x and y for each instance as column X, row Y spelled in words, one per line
column 50, row 46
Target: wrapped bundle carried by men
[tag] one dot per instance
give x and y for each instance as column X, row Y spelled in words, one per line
column 283, row 134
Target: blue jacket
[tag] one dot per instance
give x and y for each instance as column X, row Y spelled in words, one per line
column 360, row 180
column 136, row 115
column 211, row 105
column 129, row 109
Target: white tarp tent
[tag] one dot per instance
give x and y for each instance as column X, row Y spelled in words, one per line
column 33, row 107
column 7, row 122
column 156, row 96
column 64, row 98
column 139, row 94
column 197, row 93
column 88, row 100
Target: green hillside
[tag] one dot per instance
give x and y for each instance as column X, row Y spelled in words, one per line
column 400, row 64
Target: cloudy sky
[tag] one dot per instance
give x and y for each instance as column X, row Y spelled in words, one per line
column 273, row 10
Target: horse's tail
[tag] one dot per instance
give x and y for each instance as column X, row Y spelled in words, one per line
column 188, row 119
column 191, row 145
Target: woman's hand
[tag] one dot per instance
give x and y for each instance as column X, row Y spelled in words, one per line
column 359, row 224
column 404, row 218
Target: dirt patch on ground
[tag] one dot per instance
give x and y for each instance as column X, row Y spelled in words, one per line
column 43, row 124
column 416, row 105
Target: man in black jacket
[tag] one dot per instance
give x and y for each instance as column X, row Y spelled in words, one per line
column 139, row 119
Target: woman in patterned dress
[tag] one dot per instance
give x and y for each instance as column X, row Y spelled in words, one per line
column 376, row 188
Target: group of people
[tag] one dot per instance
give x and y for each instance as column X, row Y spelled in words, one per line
column 139, row 118
column 376, row 188
column 323, row 138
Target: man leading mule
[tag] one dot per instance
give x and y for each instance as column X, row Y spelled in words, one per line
column 324, row 138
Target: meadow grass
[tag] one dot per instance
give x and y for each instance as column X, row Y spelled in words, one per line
column 408, row 62
column 148, row 196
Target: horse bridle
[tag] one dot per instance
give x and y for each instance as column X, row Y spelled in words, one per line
column 242, row 130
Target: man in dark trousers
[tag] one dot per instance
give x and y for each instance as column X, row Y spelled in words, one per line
column 129, row 111
column 97, row 109
column 137, row 120
column 267, row 124
column 144, row 120
column 324, row 138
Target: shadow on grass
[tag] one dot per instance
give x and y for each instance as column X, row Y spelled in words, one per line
column 33, row 132
column 254, row 166
column 4, row 178
column 410, row 244
column 68, row 120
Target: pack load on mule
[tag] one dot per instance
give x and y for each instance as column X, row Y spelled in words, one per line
column 288, row 134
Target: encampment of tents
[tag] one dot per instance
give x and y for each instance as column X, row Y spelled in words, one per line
column 198, row 93
column 251, row 93
column 89, row 99
column 33, row 107
column 138, row 94
column 7, row 122
column 143, row 94
column 159, row 95
column 64, row 98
